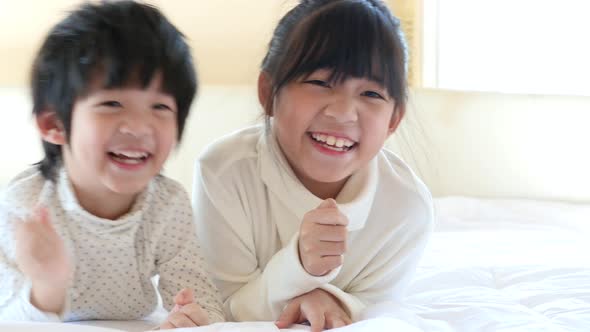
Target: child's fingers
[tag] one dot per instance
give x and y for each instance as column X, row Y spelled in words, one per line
column 325, row 232
column 166, row 326
column 290, row 315
column 327, row 217
column 36, row 228
column 334, row 321
column 40, row 217
column 179, row 319
column 346, row 320
column 184, row 297
column 328, row 203
column 196, row 313
column 316, row 319
column 326, row 248
column 331, row 262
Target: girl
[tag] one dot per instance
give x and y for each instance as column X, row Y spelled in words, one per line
column 309, row 218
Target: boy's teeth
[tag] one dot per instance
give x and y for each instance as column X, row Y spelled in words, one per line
column 129, row 161
column 132, row 154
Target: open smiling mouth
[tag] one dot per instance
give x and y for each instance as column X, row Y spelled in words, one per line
column 130, row 158
column 333, row 143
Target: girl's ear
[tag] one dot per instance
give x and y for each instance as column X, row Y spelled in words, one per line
column 398, row 114
column 51, row 128
column 264, row 92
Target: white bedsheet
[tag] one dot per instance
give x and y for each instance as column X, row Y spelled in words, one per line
column 504, row 265
column 492, row 265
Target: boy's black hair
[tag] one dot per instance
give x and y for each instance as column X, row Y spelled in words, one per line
column 353, row 38
column 121, row 40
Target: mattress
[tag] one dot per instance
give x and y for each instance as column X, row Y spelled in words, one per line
column 501, row 265
column 491, row 265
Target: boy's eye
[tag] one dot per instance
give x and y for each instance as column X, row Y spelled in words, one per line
column 162, row 107
column 111, row 103
column 373, row 94
column 318, row 83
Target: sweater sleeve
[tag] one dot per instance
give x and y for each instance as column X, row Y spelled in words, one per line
column 15, row 292
column 389, row 273
column 180, row 263
column 249, row 292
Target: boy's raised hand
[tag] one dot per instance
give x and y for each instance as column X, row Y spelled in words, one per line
column 186, row 313
column 320, row 308
column 41, row 256
column 322, row 238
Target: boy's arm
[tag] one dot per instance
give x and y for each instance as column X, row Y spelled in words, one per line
column 226, row 234
column 180, row 263
column 15, row 293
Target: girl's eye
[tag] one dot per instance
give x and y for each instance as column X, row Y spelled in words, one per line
column 163, row 107
column 318, row 83
column 373, row 94
column 111, row 103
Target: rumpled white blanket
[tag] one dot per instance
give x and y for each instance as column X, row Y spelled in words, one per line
column 491, row 265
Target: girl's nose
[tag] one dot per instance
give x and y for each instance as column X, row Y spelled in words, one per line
column 342, row 110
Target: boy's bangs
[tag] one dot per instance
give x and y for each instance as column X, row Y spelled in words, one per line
column 127, row 66
column 348, row 41
column 121, row 65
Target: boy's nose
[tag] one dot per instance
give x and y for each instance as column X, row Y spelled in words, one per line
column 136, row 126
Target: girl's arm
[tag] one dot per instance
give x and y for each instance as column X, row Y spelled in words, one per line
column 388, row 274
column 249, row 292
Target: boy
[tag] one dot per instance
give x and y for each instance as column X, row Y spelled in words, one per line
column 83, row 232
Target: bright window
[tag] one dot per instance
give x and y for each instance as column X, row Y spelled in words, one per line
column 519, row 46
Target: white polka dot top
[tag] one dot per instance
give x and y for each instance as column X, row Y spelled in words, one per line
column 114, row 260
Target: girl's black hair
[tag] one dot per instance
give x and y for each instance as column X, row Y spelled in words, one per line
column 352, row 38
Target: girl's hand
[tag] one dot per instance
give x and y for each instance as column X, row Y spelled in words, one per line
column 186, row 313
column 41, row 256
column 322, row 238
column 320, row 308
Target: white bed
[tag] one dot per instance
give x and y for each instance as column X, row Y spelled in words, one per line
column 502, row 265
column 491, row 265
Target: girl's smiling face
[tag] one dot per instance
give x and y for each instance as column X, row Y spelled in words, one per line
column 329, row 130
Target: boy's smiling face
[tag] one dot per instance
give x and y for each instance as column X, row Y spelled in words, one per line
column 119, row 140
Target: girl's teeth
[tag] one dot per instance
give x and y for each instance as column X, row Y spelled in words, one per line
column 338, row 142
column 335, row 148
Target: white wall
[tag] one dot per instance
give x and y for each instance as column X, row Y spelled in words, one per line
column 228, row 37
column 500, row 145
